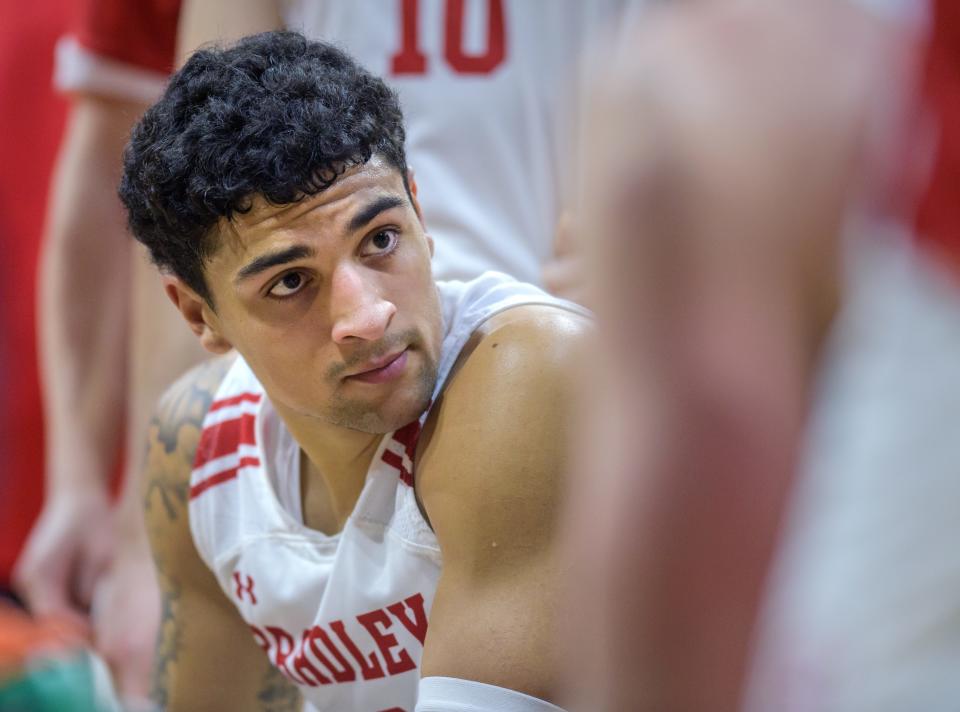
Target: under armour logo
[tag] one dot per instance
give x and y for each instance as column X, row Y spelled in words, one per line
column 244, row 588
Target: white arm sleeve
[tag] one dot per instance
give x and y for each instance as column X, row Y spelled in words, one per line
column 449, row 694
column 78, row 69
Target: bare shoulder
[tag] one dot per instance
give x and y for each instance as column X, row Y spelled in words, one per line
column 189, row 397
column 497, row 432
column 174, row 434
column 517, row 369
column 540, row 322
column 527, row 341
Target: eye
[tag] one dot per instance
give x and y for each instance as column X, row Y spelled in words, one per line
column 288, row 285
column 380, row 243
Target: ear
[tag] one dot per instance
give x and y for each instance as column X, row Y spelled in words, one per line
column 201, row 319
column 412, row 182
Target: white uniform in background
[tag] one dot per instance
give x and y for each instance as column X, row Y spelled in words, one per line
column 485, row 89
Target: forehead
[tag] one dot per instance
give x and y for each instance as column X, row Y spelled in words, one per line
column 321, row 217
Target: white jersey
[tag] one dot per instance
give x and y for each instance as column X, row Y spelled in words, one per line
column 485, row 89
column 342, row 616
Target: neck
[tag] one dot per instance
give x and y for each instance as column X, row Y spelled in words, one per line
column 334, row 466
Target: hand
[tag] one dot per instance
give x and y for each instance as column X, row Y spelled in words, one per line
column 69, row 548
column 125, row 618
column 563, row 273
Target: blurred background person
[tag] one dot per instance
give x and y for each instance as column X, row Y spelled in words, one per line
column 31, row 121
column 83, row 549
column 44, row 664
column 767, row 315
column 484, row 86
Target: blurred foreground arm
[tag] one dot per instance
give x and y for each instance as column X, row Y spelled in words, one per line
column 723, row 153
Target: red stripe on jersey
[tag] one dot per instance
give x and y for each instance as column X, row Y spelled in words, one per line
column 221, row 477
column 235, row 400
column 406, row 436
column 395, row 460
column 224, row 438
column 939, row 214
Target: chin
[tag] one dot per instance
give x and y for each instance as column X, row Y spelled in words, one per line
column 399, row 409
column 379, row 421
column 396, row 414
column 409, row 404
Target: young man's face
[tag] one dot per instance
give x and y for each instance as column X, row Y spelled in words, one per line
column 331, row 301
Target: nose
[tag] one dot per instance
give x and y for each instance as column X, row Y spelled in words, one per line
column 359, row 312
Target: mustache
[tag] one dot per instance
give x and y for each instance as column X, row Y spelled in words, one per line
column 409, row 337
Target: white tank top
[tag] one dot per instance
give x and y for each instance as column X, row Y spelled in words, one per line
column 342, row 616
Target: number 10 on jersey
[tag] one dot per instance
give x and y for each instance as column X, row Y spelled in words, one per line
column 410, row 59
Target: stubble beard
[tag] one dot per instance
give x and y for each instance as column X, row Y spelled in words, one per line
column 355, row 414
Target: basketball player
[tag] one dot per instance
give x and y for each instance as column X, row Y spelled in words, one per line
column 300, row 521
column 483, row 85
column 766, row 312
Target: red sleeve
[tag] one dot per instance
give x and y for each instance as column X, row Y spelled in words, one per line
column 141, row 33
column 939, row 217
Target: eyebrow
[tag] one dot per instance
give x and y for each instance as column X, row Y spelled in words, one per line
column 272, row 259
column 370, row 211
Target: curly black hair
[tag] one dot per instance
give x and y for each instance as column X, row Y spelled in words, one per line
column 275, row 115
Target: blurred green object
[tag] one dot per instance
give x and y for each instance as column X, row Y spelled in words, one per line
column 64, row 683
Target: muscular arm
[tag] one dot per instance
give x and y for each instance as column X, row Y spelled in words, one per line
column 490, row 482
column 206, row 656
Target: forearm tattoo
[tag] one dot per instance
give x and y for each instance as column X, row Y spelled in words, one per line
column 172, row 443
column 277, row 694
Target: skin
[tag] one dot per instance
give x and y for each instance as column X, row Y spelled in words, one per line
column 718, row 197
column 341, row 297
column 104, row 368
column 183, row 679
column 83, row 358
column 368, row 302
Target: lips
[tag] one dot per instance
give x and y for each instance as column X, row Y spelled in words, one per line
column 383, row 369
